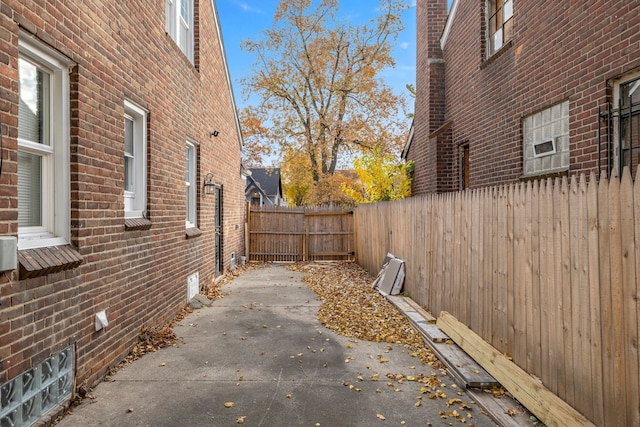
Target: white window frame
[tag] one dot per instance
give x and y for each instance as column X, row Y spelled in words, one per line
column 56, row 205
column 191, row 184
column 175, row 23
column 135, row 202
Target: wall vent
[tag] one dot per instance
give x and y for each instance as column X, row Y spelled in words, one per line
column 193, row 286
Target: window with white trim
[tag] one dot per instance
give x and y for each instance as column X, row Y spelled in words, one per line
column 179, row 24
column 135, row 160
column 500, row 19
column 546, row 140
column 43, row 146
column 191, row 186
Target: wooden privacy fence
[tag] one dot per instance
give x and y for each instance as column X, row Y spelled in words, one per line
column 295, row 234
column 546, row 272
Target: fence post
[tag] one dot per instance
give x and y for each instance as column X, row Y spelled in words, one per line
column 247, row 229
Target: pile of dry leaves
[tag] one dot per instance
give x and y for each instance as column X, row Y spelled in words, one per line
column 352, row 308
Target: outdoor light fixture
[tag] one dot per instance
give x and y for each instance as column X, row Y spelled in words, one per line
column 213, row 133
column 209, row 184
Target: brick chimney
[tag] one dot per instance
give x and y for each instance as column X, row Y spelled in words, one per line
column 431, row 16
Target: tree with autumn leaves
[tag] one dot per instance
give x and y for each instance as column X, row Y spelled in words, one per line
column 322, row 101
column 380, row 178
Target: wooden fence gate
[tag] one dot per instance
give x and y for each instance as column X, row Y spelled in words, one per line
column 276, row 233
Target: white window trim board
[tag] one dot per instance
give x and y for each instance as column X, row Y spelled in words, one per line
column 136, row 202
column 192, row 187
column 58, row 188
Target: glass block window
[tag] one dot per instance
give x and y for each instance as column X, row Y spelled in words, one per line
column 29, row 396
column 546, row 140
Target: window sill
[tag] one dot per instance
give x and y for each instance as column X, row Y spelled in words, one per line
column 134, row 224
column 193, row 232
column 40, row 262
column 497, row 54
column 535, row 176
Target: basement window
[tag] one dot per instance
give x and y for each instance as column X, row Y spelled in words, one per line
column 32, row 394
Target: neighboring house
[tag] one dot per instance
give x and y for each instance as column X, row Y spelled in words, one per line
column 120, row 184
column 512, row 91
column 264, row 187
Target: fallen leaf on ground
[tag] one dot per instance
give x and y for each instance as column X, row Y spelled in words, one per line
column 353, row 309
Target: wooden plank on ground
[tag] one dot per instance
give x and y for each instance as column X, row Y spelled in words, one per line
column 500, row 409
column 545, row 405
column 461, row 366
column 428, row 330
column 424, row 313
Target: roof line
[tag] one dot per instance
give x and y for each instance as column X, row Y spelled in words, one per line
column 447, row 25
column 216, row 17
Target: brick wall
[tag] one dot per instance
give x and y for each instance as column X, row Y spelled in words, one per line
column 558, row 52
column 430, row 91
column 138, row 276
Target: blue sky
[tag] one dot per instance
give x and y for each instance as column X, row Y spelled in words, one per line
column 245, row 19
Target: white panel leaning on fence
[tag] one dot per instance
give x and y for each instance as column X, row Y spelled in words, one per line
column 390, row 279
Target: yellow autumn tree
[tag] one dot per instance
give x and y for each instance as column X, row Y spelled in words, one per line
column 297, row 179
column 300, row 189
column 255, row 135
column 381, row 177
column 318, row 82
column 328, row 190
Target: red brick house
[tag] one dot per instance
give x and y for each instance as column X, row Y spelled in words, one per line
column 509, row 90
column 120, row 184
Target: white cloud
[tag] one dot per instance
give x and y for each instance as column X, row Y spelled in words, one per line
column 247, row 8
column 404, row 45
